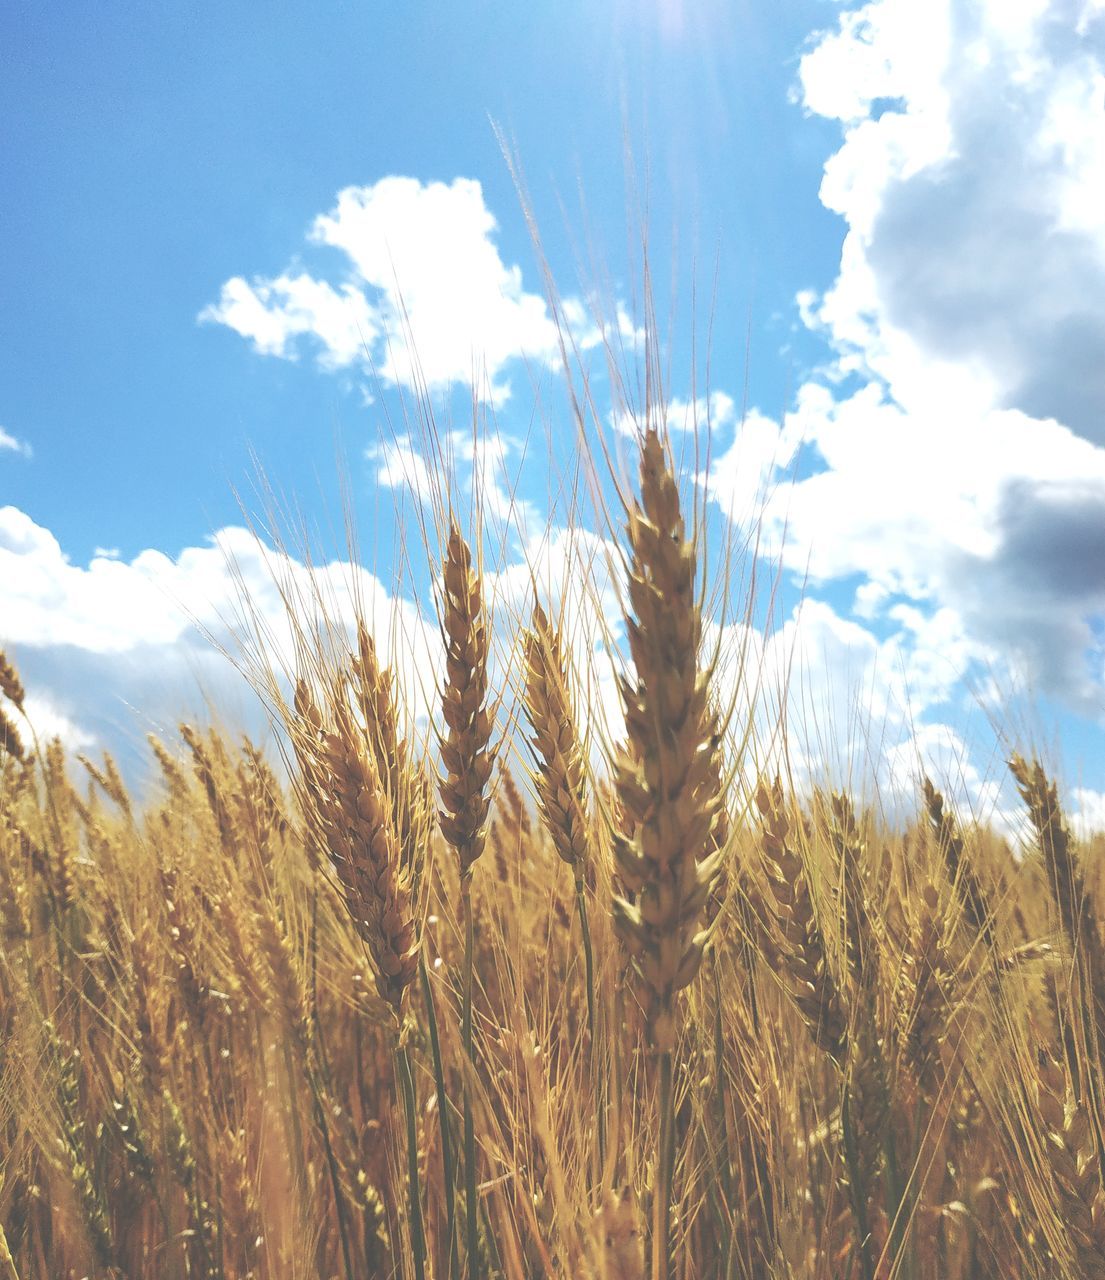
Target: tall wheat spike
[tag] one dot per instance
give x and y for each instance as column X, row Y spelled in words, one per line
column 813, row 986
column 559, row 775
column 465, row 749
column 960, row 872
column 667, row 776
column 667, row 784
column 468, row 759
column 352, row 815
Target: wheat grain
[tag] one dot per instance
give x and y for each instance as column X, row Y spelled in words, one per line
column 667, row 776
column 465, row 749
column 10, row 684
column 559, row 775
column 812, row 984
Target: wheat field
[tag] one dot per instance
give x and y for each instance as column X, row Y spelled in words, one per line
column 491, row 994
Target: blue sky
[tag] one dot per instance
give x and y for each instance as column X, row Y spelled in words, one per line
column 153, row 154
column 209, row 214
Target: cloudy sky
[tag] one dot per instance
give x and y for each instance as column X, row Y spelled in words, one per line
column 229, row 243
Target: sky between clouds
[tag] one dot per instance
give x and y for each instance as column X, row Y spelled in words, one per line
column 923, row 428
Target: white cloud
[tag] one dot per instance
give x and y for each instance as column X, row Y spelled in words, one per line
column 590, row 326
column 399, row 465
column 956, row 437
column 110, row 649
column 1088, row 818
column 427, row 299
column 272, row 314
column 48, row 722
column 712, row 413
column 743, row 478
column 833, row 704
column 976, row 236
column 488, row 465
column 492, row 462
column 13, row 444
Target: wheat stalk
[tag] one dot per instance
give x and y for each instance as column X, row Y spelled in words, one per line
column 667, row 785
column 467, row 759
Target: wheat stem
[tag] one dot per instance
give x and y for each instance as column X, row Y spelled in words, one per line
column 410, row 1107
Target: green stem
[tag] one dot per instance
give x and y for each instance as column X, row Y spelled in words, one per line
column 447, row 1164
column 418, row 1234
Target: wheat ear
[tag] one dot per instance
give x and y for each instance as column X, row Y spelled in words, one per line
column 10, row 740
column 401, row 770
column 1060, row 858
column 1074, row 1165
column 667, row 775
column 667, row 785
column 559, row 775
column 465, row 750
column 467, row 758
column 10, row 684
column 960, row 874
column 351, row 815
column 559, row 780
column 812, row 985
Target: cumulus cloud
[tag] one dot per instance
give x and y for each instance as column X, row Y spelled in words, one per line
column 956, row 466
column 113, row 648
column 427, row 299
column 1088, row 817
column 47, row 721
column 13, row 444
column 399, row 464
column 698, row 416
column 832, row 703
column 969, row 177
column 273, row 314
